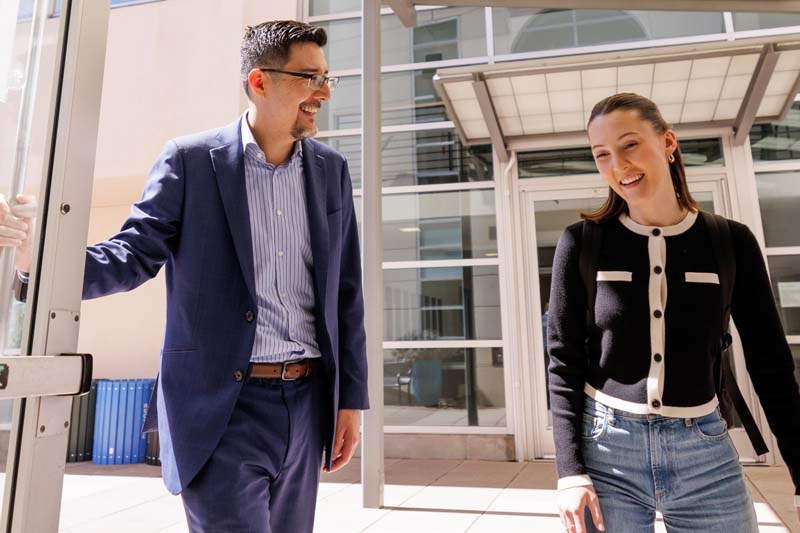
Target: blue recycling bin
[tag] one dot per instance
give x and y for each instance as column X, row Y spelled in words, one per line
column 119, row 414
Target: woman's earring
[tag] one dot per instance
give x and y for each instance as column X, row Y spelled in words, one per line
column 671, row 158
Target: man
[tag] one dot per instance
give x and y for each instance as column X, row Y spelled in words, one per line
column 263, row 363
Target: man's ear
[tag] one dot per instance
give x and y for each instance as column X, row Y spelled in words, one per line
column 258, row 81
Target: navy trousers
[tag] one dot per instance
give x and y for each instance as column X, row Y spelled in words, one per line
column 263, row 476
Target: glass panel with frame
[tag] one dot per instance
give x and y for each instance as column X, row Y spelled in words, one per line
column 440, row 34
column 429, row 157
column 343, row 111
column 439, row 225
column 520, row 30
column 571, row 161
column 27, row 64
column 442, row 303
column 762, row 21
column 779, row 198
column 454, row 387
column 410, row 98
column 331, row 7
column 777, row 141
column 784, row 273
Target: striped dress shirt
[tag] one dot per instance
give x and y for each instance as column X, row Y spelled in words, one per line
column 285, row 324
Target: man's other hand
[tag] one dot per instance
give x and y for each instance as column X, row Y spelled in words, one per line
column 348, row 427
column 16, row 229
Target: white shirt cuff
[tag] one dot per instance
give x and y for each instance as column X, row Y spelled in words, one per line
column 574, row 481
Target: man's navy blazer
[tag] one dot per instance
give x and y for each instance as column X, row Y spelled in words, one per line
column 194, row 217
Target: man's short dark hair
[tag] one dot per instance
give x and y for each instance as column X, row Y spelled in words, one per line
column 267, row 45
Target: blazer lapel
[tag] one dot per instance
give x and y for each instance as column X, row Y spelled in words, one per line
column 316, row 191
column 229, row 167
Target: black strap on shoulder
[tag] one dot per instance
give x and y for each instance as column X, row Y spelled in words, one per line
column 722, row 246
column 591, row 240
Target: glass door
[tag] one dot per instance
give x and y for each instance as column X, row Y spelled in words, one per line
column 51, row 70
column 546, row 214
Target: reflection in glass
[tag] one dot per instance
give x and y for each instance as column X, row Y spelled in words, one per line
column 410, row 98
column 784, row 273
column 432, row 156
column 439, row 225
column 571, row 161
column 760, row 21
column 343, row 110
column 440, row 34
column 443, row 303
column 777, row 141
column 779, row 198
column 444, row 387
column 532, row 30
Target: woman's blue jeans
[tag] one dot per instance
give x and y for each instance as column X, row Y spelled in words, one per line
column 686, row 468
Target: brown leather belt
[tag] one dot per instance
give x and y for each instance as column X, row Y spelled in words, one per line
column 288, row 371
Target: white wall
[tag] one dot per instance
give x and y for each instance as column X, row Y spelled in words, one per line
column 172, row 68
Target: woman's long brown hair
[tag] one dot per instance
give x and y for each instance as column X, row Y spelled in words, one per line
column 614, row 205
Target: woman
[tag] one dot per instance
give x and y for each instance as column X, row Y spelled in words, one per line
column 635, row 413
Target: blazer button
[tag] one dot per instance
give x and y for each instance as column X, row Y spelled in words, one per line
column 249, row 316
column 238, row 375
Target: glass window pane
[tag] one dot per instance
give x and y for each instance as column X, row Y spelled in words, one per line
column 784, row 271
column 343, row 111
column 432, row 156
column 439, row 225
column 570, row 161
column 350, row 147
column 329, row 7
column 409, row 98
column 440, row 34
column 779, row 199
column 518, row 30
column 777, row 141
column 760, row 21
column 442, row 303
column 444, row 387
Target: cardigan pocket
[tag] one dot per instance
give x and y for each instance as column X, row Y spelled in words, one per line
column 702, row 277
column 614, row 275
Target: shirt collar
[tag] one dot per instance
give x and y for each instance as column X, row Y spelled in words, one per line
column 666, row 231
column 249, row 140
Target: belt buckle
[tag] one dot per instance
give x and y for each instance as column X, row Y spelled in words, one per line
column 283, row 372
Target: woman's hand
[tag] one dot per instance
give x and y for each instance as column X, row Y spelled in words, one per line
column 571, row 505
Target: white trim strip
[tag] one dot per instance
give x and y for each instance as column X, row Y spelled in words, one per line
column 643, row 409
column 702, row 277
column 570, row 482
column 614, row 275
column 440, row 263
column 783, row 250
column 392, row 345
column 667, row 231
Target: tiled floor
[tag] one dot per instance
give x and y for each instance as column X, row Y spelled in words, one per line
column 421, row 496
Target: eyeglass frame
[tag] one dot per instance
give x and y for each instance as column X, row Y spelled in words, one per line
column 318, row 79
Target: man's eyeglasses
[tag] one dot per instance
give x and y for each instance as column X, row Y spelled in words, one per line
column 315, row 81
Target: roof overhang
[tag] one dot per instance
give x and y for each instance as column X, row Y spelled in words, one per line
column 729, row 84
column 407, row 14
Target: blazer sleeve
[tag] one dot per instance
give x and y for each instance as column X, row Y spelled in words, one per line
column 566, row 345
column 352, row 337
column 147, row 237
column 767, row 354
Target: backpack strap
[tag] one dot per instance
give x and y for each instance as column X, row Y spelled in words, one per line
column 724, row 255
column 591, row 240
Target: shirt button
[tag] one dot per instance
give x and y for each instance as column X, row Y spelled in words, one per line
column 658, row 270
column 260, row 155
column 656, row 404
column 283, row 295
column 656, row 232
column 657, row 358
column 280, row 212
column 280, row 253
column 249, row 316
column 657, row 313
column 238, row 375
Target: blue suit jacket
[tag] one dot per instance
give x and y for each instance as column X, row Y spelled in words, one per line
column 194, row 217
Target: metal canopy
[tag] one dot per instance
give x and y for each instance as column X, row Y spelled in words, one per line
column 713, row 84
column 407, row 14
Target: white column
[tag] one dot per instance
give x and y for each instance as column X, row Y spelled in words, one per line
column 372, row 470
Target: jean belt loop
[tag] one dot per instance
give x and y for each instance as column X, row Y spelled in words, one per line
column 688, row 422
